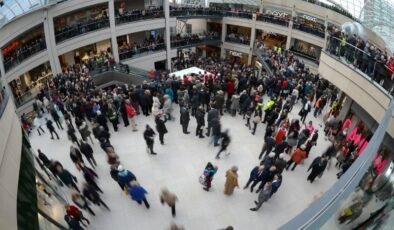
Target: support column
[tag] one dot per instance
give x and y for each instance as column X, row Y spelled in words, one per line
column 325, row 32
column 346, row 103
column 112, row 24
column 261, row 7
column 290, row 29
column 252, row 38
column 2, row 70
column 166, row 9
column 50, row 40
column 224, row 33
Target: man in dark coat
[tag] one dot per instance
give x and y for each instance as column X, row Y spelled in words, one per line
column 87, row 151
column 149, row 136
column 219, row 101
column 161, row 128
column 102, row 120
column 216, row 131
column 185, row 118
column 280, row 163
column 200, row 115
column 280, row 147
column 268, row 145
column 318, row 166
column 256, row 171
column 51, row 128
column 212, row 114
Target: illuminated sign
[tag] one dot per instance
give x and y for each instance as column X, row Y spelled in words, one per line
column 276, row 13
column 310, row 18
column 236, row 54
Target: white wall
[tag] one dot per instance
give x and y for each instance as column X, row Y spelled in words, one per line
column 146, row 62
column 10, row 155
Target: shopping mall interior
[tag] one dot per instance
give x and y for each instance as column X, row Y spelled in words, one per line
column 196, row 114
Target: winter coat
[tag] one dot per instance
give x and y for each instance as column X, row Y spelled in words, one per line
column 264, row 194
column 66, row 177
column 75, row 155
column 298, row 155
column 200, row 117
column 219, row 101
column 167, row 106
column 235, row 102
column 168, row 198
column 137, row 193
column 125, row 177
column 280, row 165
column 212, row 114
column 149, row 136
column 160, row 126
column 185, row 117
column 216, row 127
column 86, row 150
column 231, row 182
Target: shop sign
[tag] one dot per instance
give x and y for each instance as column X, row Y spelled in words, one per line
column 10, row 47
column 310, row 18
column 235, row 54
column 276, row 13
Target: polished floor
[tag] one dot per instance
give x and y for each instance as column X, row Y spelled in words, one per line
column 178, row 165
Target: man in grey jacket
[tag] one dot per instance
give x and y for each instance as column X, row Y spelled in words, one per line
column 264, row 195
column 212, row 114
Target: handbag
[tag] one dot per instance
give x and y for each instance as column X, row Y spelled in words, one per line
column 256, row 119
column 201, row 179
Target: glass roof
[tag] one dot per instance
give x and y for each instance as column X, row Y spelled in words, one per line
column 10, row 9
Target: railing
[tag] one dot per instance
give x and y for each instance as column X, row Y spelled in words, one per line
column 273, row 19
column 4, row 96
column 26, row 97
column 22, row 55
column 370, row 66
column 140, row 52
column 81, row 28
column 133, row 17
column 238, row 40
column 210, row 12
column 264, row 59
column 306, row 56
column 102, row 67
column 308, row 29
column 195, row 40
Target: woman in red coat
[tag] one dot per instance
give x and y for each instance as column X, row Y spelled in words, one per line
column 230, row 88
column 298, row 155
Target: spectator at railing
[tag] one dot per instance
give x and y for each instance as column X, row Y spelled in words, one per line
column 363, row 55
column 124, row 16
column 24, row 51
column 316, row 29
column 127, row 50
column 188, row 39
column 92, row 24
column 238, row 38
column 270, row 18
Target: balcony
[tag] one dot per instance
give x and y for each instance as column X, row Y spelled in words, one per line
column 81, row 28
column 21, row 54
column 186, row 12
column 273, row 19
column 238, row 40
column 195, row 40
column 130, row 17
column 309, row 29
column 137, row 52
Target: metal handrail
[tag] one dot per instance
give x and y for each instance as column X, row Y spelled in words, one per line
column 149, row 14
column 79, row 26
column 376, row 71
column 143, row 51
column 192, row 41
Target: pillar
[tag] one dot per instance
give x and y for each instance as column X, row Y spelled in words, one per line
column 290, row 29
column 325, row 32
column 261, row 7
column 50, row 40
column 112, row 24
column 167, row 18
column 2, row 70
column 346, row 103
column 224, row 33
column 252, row 38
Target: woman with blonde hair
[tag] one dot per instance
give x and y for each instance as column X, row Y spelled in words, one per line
column 231, row 180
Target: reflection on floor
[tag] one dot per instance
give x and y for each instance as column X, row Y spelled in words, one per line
column 178, row 166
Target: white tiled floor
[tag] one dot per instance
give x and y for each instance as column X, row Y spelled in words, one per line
column 178, row 166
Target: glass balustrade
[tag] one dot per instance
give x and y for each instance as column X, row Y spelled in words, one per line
column 273, row 19
column 128, row 17
column 238, row 40
column 22, row 53
column 194, row 39
column 189, row 12
column 137, row 52
column 81, row 28
column 309, row 29
column 370, row 63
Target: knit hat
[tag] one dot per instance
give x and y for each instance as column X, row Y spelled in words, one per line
column 120, row 168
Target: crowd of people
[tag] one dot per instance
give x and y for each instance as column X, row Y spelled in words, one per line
column 180, row 40
column 86, row 113
column 23, row 51
column 363, row 55
column 127, row 50
column 238, row 38
column 124, row 15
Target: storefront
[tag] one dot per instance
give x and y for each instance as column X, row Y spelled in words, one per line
column 208, row 51
column 81, row 54
column 30, row 83
column 306, row 49
column 310, row 24
column 236, row 57
column 271, row 39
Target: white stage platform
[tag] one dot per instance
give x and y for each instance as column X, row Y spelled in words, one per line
column 188, row 72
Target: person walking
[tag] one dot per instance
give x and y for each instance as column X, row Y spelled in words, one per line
column 216, row 131
column 170, row 199
column 131, row 114
column 113, row 117
column 231, row 181
column 306, row 108
column 209, row 171
column 81, row 202
column 269, row 144
column 125, row 177
column 224, row 144
column 37, row 124
column 76, row 214
column 254, row 175
column 280, row 163
column 298, row 155
column 318, row 166
column 72, row 223
column 90, row 177
column 276, row 183
column 185, row 118
column 200, row 118
column 51, row 129
column 91, row 194
column 87, row 151
column 149, row 136
column 264, row 195
column 56, row 118
column 137, row 193
column 66, row 177
column 161, row 127
column 213, row 114
column 76, row 157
